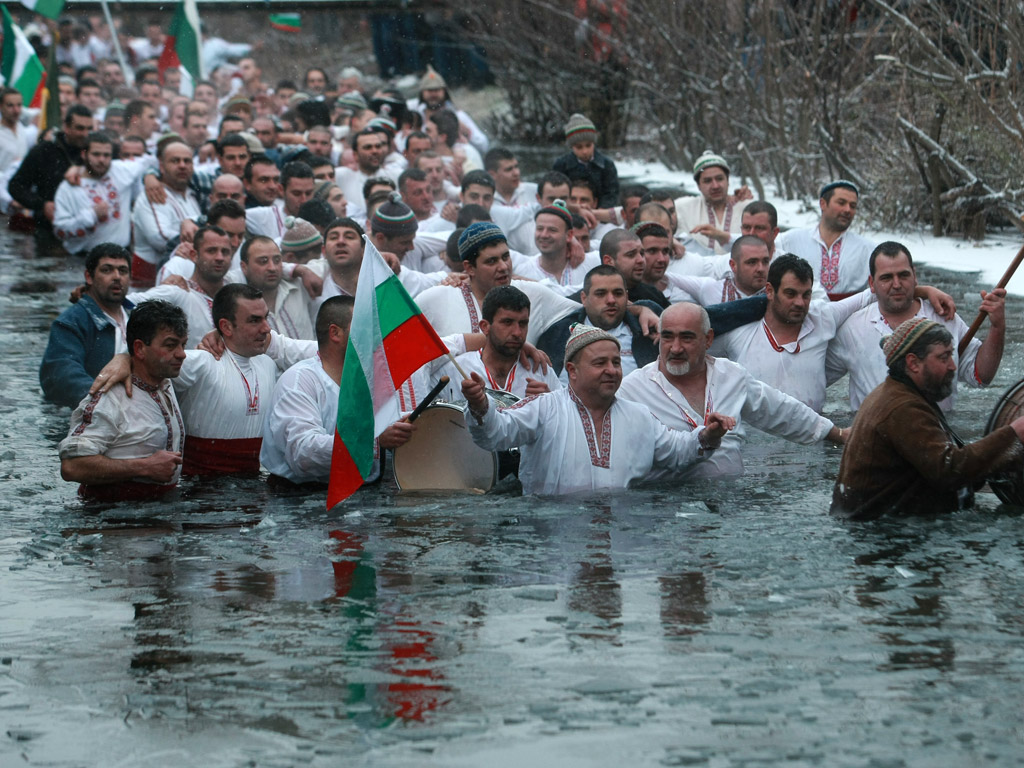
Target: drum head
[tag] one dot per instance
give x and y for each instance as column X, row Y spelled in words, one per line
column 1009, row 486
column 441, row 456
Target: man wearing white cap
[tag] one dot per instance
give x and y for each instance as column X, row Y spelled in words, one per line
column 712, row 214
column 584, row 438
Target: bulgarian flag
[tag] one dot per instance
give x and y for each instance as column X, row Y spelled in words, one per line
column 21, row 69
column 184, row 46
column 286, row 22
column 389, row 340
column 49, row 8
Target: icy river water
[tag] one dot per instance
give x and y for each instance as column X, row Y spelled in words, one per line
column 725, row 624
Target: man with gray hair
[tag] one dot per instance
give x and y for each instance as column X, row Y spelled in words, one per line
column 583, row 437
column 685, row 384
column 902, row 457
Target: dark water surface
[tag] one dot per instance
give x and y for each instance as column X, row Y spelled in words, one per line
column 722, row 625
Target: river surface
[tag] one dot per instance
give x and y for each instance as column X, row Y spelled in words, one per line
column 725, row 624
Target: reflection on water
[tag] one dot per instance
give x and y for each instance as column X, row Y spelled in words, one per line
column 718, row 624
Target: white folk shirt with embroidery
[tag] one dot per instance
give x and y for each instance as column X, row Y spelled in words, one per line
column 121, row 427
column 564, row 452
column 568, row 283
column 515, row 383
column 216, row 395
column 298, row 433
column 853, row 255
column 855, row 350
column 155, row 225
column 74, row 219
column 798, row 367
column 449, row 310
column 692, row 211
column 730, row 390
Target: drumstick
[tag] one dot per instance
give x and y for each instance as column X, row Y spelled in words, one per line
column 441, row 384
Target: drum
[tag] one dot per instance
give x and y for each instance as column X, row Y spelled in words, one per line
column 1008, row 486
column 441, row 455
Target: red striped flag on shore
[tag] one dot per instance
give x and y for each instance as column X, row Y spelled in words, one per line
column 389, row 340
column 183, row 46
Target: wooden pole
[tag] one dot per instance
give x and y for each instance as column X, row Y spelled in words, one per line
column 976, row 325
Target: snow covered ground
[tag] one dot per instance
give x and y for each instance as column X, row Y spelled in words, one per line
column 990, row 257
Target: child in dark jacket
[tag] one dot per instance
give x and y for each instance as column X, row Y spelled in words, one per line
column 585, row 161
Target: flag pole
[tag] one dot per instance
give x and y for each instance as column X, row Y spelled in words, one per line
column 129, row 75
column 458, row 367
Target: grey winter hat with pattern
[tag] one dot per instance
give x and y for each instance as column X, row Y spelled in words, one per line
column 299, row 235
column 394, row 218
column 708, row 160
column 579, row 129
column 581, row 335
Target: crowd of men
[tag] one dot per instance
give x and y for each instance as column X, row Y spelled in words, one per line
column 237, row 216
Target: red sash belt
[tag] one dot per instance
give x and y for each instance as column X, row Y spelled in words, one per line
column 143, row 273
column 129, row 490
column 217, row 456
column 841, row 296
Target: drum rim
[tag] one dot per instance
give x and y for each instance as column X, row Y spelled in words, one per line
column 1006, row 397
column 493, row 455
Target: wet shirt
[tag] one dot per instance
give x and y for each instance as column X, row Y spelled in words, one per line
column 730, row 390
column 693, row 210
column 156, row 224
column 851, row 250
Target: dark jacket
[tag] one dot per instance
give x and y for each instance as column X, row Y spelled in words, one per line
column 554, row 339
column 35, row 182
column 81, row 343
column 600, row 170
column 903, row 459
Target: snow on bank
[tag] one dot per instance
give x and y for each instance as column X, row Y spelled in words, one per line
column 990, row 257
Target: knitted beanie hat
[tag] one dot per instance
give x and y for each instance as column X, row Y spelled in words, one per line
column 904, row 337
column 386, row 123
column 299, row 235
column 477, row 236
column 557, row 208
column 844, row 183
column 431, row 79
column 581, row 335
column 394, row 218
column 708, row 160
column 579, row 129
column 353, row 101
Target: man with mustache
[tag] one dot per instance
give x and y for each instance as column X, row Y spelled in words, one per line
column 838, row 256
column 893, row 280
column 685, row 384
column 902, row 457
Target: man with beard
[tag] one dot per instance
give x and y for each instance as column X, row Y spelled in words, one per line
column 287, row 302
column 98, row 209
column 893, row 280
column 34, row 185
column 902, row 457
column 157, row 223
column 583, row 437
column 685, row 383
column 122, row 447
column 87, row 334
column 838, row 256
column 786, row 349
column 504, row 323
column 604, row 302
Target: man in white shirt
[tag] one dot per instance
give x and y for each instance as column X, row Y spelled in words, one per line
column 748, row 261
column 369, row 146
column 856, row 349
column 504, row 323
column 98, row 208
column 552, row 236
column 713, row 209
column 121, row 447
column 297, row 182
column 15, row 140
column 838, row 256
column 287, row 301
column 685, row 384
column 299, row 431
column 157, row 223
column 509, row 189
column 583, row 437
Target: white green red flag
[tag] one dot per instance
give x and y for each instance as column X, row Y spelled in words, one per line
column 184, row 46
column 389, row 339
column 49, row 8
column 20, row 67
column 286, row 22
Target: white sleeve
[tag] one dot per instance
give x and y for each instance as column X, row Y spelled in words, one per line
column 417, row 282
column 287, row 352
column 155, row 224
column 500, row 430
column 778, row 414
column 674, row 449
column 69, row 216
column 296, row 425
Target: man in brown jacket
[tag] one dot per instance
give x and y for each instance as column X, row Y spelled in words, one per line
column 901, row 456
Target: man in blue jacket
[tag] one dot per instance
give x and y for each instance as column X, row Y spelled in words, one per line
column 86, row 335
